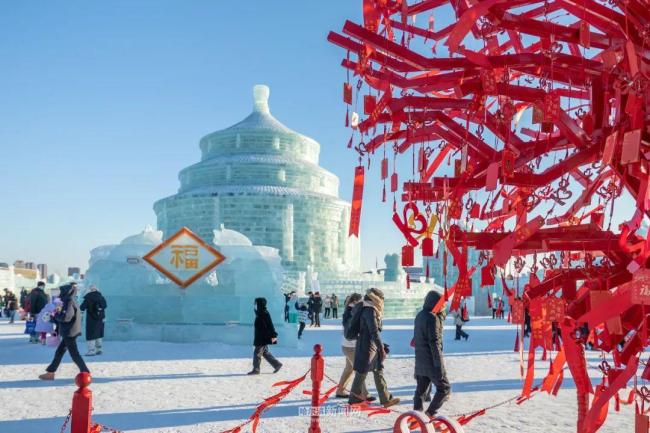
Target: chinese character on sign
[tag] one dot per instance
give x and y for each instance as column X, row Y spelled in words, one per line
column 185, row 256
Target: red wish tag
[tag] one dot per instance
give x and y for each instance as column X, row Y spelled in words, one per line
column 369, row 104
column 631, row 146
column 393, row 182
column 610, row 147
column 407, row 255
column 517, row 312
column 641, row 423
column 492, row 176
column 384, row 168
column 487, row 277
column 347, row 93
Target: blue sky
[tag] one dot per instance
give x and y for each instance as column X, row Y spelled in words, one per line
column 102, row 103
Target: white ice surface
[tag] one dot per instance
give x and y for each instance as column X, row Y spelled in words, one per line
column 202, row 388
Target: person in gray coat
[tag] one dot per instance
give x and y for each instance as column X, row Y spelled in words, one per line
column 429, row 362
column 68, row 320
column 370, row 352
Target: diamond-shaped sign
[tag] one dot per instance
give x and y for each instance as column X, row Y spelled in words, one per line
column 184, row 257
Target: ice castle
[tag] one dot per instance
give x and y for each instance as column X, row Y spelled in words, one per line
column 262, row 179
column 259, row 195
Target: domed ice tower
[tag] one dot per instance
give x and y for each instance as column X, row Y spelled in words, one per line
column 262, row 179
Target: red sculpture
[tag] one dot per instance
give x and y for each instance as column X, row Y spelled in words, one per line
column 527, row 125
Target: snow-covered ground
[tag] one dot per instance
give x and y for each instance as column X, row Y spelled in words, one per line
column 164, row 387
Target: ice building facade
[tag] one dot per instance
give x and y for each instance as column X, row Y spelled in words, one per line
column 262, row 179
column 144, row 305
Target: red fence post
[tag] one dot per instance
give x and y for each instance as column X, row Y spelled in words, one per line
column 317, row 372
column 82, row 405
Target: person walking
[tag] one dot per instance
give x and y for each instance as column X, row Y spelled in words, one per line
column 12, row 305
column 264, row 335
column 335, row 306
column 318, row 307
column 303, row 316
column 310, row 308
column 352, row 305
column 459, row 322
column 370, row 352
column 429, row 362
column 328, row 306
column 287, row 298
column 94, row 304
column 37, row 299
column 23, row 297
column 68, row 320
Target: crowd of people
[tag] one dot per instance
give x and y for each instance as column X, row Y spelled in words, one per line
column 56, row 320
column 363, row 348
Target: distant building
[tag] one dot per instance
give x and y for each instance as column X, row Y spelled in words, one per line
column 19, row 264
column 30, row 265
column 74, row 271
column 42, row 269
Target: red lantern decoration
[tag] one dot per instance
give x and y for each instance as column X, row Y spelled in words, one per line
column 407, row 255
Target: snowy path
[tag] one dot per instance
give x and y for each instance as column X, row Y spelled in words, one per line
column 202, row 388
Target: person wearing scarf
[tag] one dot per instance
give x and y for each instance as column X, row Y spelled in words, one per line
column 370, row 351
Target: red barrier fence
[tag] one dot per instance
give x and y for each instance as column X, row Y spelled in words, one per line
column 82, row 405
column 317, row 373
column 80, row 415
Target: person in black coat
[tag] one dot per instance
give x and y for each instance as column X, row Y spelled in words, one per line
column 317, row 306
column 429, row 362
column 94, row 304
column 264, row 335
column 68, row 320
column 310, row 308
column 37, row 300
column 370, row 352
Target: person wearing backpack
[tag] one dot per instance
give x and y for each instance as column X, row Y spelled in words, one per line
column 370, row 352
column 69, row 328
column 94, row 304
column 349, row 341
column 429, row 362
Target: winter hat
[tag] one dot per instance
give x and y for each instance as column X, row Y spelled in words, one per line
column 375, row 298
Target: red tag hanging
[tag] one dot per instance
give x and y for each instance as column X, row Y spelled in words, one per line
column 487, row 277
column 641, row 423
column 357, row 201
column 384, row 168
column 347, row 93
column 508, row 163
column 489, row 82
column 555, row 309
column 407, row 255
column 492, row 176
column 551, row 107
column 393, row 182
column 427, row 247
column 517, row 309
column 475, row 211
column 369, row 104
column 631, row 146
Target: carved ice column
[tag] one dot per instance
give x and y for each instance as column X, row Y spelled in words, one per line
column 287, row 236
column 343, row 234
column 216, row 213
